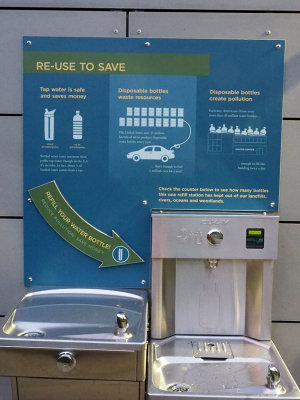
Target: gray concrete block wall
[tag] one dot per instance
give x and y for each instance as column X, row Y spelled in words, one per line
column 196, row 5
column 5, row 389
column 58, row 20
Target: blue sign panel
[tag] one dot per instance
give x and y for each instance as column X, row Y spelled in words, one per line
column 116, row 127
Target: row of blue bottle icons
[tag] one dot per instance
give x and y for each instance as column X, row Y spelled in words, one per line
column 237, row 131
column 49, row 125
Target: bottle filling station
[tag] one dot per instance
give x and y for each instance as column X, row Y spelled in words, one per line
column 211, row 301
column 159, row 183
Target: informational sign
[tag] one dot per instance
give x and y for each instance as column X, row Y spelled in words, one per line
column 114, row 128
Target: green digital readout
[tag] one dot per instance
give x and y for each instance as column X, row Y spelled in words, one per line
column 256, row 233
column 255, row 238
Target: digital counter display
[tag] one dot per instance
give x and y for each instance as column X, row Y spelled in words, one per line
column 255, row 233
column 255, row 238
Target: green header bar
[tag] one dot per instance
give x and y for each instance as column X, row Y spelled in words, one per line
column 116, row 63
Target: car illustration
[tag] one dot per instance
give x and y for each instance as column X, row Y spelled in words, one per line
column 151, row 153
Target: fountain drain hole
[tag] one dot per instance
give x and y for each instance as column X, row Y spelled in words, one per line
column 179, row 387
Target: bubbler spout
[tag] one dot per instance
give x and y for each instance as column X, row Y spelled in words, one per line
column 122, row 323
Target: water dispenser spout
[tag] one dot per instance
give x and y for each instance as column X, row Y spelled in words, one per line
column 213, row 263
column 122, row 323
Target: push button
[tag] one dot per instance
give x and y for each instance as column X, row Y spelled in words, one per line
column 215, row 237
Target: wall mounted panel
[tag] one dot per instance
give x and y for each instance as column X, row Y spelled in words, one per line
column 11, row 169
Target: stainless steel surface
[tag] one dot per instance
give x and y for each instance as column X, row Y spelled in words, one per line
column 233, row 299
column 70, row 333
column 78, row 319
column 181, row 235
column 209, row 301
column 66, row 361
column 243, row 376
column 163, row 294
column 63, row 389
column 212, row 349
column 259, row 299
column 90, row 364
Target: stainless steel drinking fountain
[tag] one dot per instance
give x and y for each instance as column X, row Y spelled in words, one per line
column 211, row 308
column 76, row 344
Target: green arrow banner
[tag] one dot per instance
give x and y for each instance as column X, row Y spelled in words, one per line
column 58, row 213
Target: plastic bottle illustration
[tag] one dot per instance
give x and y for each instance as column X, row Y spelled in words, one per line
column 224, row 129
column 250, row 130
column 77, row 126
column 212, row 128
column 256, row 132
column 219, row 130
column 230, row 130
column 49, row 124
column 263, row 132
column 237, row 130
